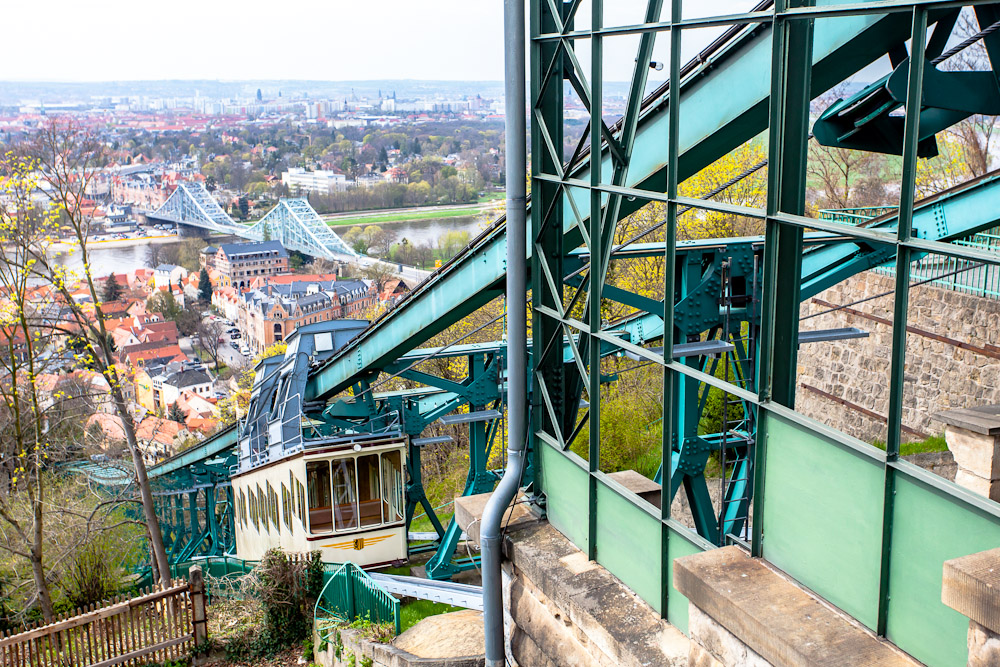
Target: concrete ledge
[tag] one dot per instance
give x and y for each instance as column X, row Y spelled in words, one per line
column 774, row 617
column 971, row 586
column 984, row 420
column 381, row 655
column 469, row 513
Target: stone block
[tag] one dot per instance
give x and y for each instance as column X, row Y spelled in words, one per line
column 725, row 647
column 774, row 617
column 974, row 452
column 984, row 646
column 613, row 625
column 984, row 487
column 971, row 586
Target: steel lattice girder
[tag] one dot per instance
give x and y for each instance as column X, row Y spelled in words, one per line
column 292, row 221
column 191, row 204
column 299, row 227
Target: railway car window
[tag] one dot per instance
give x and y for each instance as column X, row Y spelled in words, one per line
column 369, row 502
column 253, row 510
column 286, row 506
column 262, row 508
column 272, row 507
column 392, row 487
column 302, row 502
column 345, row 495
column 320, row 503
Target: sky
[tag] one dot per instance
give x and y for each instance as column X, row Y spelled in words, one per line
column 328, row 40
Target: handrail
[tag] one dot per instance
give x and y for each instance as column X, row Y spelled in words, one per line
column 354, row 595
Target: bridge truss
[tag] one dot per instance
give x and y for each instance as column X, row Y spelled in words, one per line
column 292, row 221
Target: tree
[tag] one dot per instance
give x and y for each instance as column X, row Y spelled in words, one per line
column 244, row 206
column 175, row 414
column 974, row 134
column 452, row 242
column 209, row 335
column 234, row 406
column 44, row 518
column 750, row 191
column 154, row 255
column 357, row 239
column 204, row 287
column 68, row 160
column 381, row 240
column 378, row 273
column 112, row 290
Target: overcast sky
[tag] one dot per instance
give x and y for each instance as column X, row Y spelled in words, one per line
column 333, row 40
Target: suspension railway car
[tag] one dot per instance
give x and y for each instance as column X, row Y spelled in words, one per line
column 344, row 499
column 299, row 487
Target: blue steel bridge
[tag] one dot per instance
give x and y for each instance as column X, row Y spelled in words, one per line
column 293, row 222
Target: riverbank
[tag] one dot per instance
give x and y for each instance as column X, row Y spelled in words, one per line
column 398, row 216
column 61, row 246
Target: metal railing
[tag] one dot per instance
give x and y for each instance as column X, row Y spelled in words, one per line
column 950, row 273
column 855, row 215
column 351, row 594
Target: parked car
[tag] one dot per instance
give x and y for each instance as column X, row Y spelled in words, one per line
column 235, row 346
column 236, row 335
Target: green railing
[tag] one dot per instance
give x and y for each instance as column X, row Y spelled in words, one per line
column 350, row 594
column 950, row 273
column 855, row 216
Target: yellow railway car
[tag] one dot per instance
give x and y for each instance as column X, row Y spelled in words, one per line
column 345, row 500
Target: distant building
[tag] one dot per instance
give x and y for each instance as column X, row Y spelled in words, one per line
column 273, row 310
column 321, row 181
column 159, row 385
column 239, row 263
column 168, row 274
column 207, row 257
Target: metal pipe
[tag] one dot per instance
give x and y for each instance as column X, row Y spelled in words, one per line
column 517, row 342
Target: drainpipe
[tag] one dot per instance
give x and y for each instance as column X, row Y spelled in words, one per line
column 517, row 352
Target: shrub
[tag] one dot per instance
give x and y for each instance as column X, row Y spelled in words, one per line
column 287, row 589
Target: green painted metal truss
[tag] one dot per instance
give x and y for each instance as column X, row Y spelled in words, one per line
column 716, row 285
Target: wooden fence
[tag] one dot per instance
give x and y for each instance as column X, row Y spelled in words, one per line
column 156, row 626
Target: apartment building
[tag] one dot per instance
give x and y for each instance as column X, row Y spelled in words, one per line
column 275, row 308
column 239, row 264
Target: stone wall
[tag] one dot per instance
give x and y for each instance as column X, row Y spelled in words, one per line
column 952, row 358
column 354, row 650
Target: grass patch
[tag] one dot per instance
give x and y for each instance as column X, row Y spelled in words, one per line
column 935, row 443
column 412, row 613
column 465, row 211
column 424, row 525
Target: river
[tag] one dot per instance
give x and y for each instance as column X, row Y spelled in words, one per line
column 128, row 258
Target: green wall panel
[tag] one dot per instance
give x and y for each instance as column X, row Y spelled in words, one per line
column 628, row 544
column 823, row 517
column 565, row 486
column 677, row 604
column 928, row 528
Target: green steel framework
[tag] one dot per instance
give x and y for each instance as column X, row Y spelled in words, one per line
column 582, row 501
column 845, row 520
